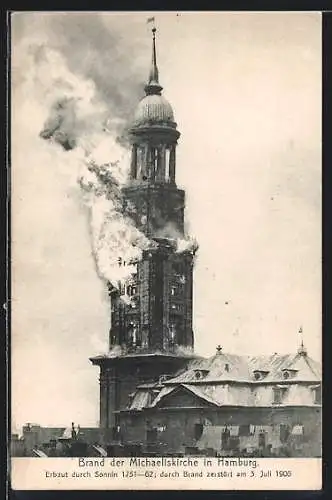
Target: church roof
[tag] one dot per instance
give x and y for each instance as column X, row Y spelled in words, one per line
column 141, row 399
column 235, row 368
column 229, row 380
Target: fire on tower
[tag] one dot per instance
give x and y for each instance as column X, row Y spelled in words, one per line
column 151, row 313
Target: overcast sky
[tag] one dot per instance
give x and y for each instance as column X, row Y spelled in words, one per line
column 246, row 92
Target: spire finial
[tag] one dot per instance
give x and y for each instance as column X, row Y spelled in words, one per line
column 301, row 350
column 153, row 86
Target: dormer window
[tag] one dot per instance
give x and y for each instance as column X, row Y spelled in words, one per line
column 163, row 378
column 288, row 373
column 260, row 374
column 200, row 374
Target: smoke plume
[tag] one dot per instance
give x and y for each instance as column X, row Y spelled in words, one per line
column 82, row 112
column 113, row 234
column 86, row 96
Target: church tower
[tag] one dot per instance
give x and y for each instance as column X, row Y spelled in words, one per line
column 151, row 314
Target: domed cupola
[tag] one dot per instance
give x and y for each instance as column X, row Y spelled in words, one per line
column 153, row 109
column 153, row 132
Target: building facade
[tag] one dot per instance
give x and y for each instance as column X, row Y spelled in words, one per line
column 231, row 405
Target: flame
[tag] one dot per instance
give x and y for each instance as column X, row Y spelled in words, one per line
column 187, row 245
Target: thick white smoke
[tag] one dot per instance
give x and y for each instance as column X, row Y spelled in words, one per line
column 73, row 122
column 84, row 139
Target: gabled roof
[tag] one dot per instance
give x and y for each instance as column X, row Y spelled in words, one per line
column 306, row 368
column 219, row 367
column 194, row 390
column 224, row 367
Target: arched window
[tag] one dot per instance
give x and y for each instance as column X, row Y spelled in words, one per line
column 172, row 332
column 154, row 163
column 140, row 153
column 167, row 160
column 133, row 340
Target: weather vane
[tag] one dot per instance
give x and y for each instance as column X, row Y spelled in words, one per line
column 153, row 21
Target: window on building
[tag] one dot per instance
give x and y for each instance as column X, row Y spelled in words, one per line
column 133, row 303
column 167, row 159
column 177, row 288
column 133, row 333
column 145, row 337
column 260, row 374
column 198, row 430
column 131, row 290
column 297, row 432
column 154, row 162
column 116, row 433
column 288, row 373
column 163, row 378
column 262, row 440
column 176, row 307
column 172, row 332
column 152, row 435
column 201, row 373
column 225, row 439
column 284, row 433
column 318, row 395
column 278, row 394
column 140, row 162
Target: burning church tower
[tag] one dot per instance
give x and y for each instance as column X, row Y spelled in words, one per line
column 151, row 333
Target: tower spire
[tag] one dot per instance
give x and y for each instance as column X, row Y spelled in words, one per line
column 153, row 86
column 301, row 349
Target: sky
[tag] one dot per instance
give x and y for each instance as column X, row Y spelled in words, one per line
column 246, row 93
